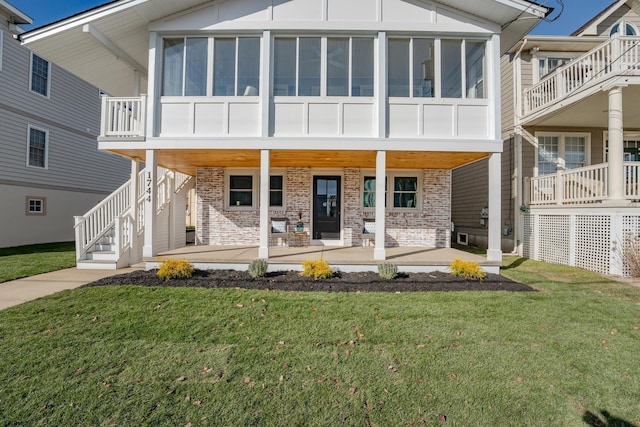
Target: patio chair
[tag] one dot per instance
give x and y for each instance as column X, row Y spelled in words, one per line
column 279, row 230
column 368, row 230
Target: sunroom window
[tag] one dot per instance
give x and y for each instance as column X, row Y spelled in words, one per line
column 412, row 68
column 299, row 62
column 185, row 67
column 236, row 66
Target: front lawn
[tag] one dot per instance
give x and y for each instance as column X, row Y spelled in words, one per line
column 24, row 261
column 566, row 355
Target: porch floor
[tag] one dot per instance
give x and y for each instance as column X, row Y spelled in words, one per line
column 347, row 259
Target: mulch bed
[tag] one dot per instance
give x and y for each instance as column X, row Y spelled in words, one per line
column 342, row 282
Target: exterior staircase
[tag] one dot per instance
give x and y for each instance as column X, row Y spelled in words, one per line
column 107, row 236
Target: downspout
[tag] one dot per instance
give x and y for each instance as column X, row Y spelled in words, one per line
column 517, row 152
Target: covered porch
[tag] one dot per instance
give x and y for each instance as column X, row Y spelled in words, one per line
column 346, row 259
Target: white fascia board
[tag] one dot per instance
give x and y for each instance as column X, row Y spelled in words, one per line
column 79, row 20
column 22, row 18
column 525, row 6
column 329, row 144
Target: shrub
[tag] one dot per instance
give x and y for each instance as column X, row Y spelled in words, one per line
column 318, row 269
column 632, row 255
column 258, row 268
column 468, row 269
column 388, row 271
column 175, row 269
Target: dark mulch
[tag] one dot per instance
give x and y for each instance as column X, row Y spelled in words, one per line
column 342, row 282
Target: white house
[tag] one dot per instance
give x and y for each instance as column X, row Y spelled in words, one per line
column 310, row 110
column 572, row 138
column 50, row 167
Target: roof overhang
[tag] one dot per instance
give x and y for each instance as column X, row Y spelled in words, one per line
column 15, row 15
column 558, row 43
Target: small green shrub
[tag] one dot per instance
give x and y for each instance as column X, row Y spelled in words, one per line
column 258, row 268
column 318, row 269
column 468, row 269
column 388, row 271
column 175, row 269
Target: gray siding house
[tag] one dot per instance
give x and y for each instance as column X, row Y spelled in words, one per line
column 50, row 168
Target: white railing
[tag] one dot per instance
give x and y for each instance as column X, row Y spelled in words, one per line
column 123, row 117
column 93, row 225
column 616, row 56
column 582, row 185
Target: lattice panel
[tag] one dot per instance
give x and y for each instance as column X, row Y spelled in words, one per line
column 528, row 237
column 631, row 244
column 593, row 241
column 553, row 238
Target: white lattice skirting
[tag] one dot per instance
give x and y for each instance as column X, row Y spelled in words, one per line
column 593, row 241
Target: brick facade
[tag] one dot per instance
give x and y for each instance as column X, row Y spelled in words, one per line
column 216, row 224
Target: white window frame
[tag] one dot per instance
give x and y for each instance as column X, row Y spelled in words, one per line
column 550, row 55
column 254, row 189
column 561, row 148
column 48, row 94
column 46, row 147
column 43, row 206
column 390, row 189
column 282, row 173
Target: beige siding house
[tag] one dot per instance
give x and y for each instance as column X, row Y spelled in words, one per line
column 50, row 168
column 570, row 190
column 320, row 122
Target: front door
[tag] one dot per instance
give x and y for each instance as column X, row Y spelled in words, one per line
column 326, row 207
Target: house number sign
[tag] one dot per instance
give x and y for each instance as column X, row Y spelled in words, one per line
column 148, row 186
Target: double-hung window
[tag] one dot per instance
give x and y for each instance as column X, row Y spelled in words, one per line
column 300, row 62
column 37, row 148
column 40, row 75
column 241, row 190
column 276, row 191
column 405, row 191
column 561, row 151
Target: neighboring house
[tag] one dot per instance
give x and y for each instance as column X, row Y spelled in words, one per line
column 50, row 168
column 571, row 132
column 331, row 111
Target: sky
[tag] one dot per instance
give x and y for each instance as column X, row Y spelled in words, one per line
column 576, row 12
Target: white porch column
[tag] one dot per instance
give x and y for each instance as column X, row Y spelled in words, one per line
column 135, row 171
column 494, row 250
column 150, row 203
column 616, row 146
column 263, row 251
column 379, row 252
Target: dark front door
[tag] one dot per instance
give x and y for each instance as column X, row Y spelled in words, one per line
column 326, row 207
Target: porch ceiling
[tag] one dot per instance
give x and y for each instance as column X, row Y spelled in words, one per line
column 187, row 161
column 591, row 111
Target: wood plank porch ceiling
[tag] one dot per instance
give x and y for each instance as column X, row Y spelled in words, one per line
column 187, row 161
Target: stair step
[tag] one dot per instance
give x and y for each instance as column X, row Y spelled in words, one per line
column 96, row 265
column 103, row 247
column 102, row 256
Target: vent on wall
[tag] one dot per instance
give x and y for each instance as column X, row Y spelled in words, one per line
column 463, row 239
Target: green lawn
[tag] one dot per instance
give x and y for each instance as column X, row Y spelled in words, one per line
column 202, row 357
column 24, row 261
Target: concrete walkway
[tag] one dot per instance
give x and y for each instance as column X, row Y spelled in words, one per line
column 30, row 288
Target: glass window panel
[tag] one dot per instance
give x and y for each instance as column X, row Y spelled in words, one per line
column 398, row 67
column 39, row 75
column 196, row 67
column 575, row 153
column 275, row 190
column 451, row 69
column 172, row 67
column 369, row 192
column 309, row 66
column 405, row 193
column 249, row 66
column 285, row 67
column 630, row 30
column 241, row 190
column 224, row 67
column 337, row 67
column 474, row 66
column 423, row 73
column 37, row 147
column 547, row 154
column 362, row 67
column 241, row 182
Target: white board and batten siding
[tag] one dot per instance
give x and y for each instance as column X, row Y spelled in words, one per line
column 298, row 116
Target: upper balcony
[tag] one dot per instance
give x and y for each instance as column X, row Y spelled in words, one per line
column 618, row 57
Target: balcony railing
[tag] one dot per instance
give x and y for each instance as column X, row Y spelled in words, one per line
column 123, row 117
column 616, row 56
column 582, row 185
